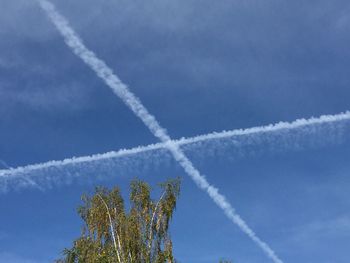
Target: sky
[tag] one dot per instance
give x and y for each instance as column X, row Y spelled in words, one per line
column 198, row 67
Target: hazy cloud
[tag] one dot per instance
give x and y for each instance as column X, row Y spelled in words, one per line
column 314, row 231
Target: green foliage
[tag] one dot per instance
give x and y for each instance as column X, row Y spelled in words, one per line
column 110, row 234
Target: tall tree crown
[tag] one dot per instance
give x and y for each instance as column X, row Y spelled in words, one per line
column 111, row 234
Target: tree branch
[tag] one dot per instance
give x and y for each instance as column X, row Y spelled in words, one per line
column 150, row 228
column 111, row 226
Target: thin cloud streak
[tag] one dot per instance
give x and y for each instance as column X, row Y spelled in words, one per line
column 299, row 123
column 77, row 160
column 122, row 91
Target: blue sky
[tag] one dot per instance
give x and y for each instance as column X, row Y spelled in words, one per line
column 198, row 67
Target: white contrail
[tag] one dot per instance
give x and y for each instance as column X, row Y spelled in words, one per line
column 77, row 160
column 299, row 123
column 268, row 128
column 121, row 90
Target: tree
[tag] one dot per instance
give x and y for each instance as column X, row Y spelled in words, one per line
column 110, row 234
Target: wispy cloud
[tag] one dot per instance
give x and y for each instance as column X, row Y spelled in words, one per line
column 58, row 98
column 44, row 97
column 319, row 233
column 334, row 227
column 4, row 164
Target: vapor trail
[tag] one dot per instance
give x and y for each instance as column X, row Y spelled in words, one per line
column 122, row 91
column 299, row 123
column 77, row 160
column 267, row 128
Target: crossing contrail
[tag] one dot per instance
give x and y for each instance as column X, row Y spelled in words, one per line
column 236, row 133
column 77, row 160
column 131, row 101
column 343, row 116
